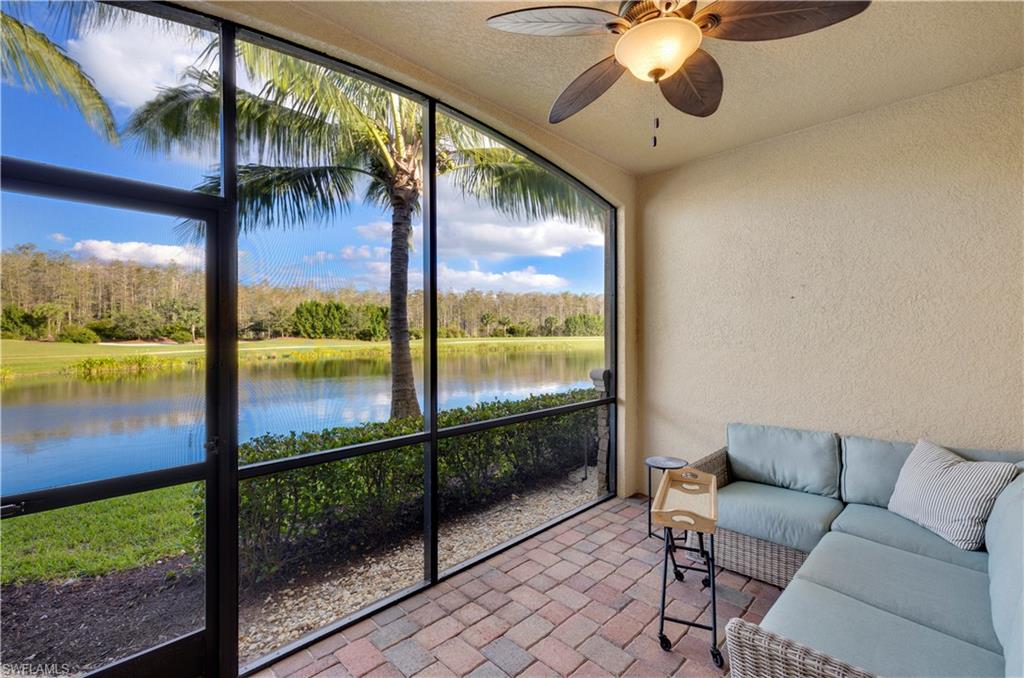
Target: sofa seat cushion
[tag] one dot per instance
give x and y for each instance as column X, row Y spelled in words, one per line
column 948, row 598
column 794, row 519
column 873, row 639
column 786, row 457
column 885, row 527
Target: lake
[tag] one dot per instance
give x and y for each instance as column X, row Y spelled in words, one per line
column 60, row 430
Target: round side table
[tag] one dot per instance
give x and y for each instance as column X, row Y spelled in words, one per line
column 662, row 464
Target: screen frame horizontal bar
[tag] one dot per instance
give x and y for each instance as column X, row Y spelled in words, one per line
column 51, row 181
column 108, row 488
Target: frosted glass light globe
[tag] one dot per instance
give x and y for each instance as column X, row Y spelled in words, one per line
column 656, row 49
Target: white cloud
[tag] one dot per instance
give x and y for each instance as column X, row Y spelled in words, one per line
column 496, row 240
column 350, row 252
column 524, row 280
column 470, row 229
column 149, row 254
column 130, row 60
column 58, row 237
column 318, row 257
column 375, row 230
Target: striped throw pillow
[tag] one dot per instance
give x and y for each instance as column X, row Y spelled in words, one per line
column 943, row 492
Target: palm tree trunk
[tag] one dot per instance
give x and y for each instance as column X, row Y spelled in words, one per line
column 403, row 381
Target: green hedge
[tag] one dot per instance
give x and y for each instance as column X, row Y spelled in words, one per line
column 361, row 503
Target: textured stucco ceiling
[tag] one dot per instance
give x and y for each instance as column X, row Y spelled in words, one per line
column 895, row 50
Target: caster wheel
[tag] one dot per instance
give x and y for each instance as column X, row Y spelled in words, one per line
column 666, row 644
column 716, row 656
column 705, row 582
column 680, row 575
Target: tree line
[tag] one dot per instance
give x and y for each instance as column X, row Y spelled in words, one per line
column 52, row 296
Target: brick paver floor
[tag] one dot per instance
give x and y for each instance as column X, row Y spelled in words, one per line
column 579, row 600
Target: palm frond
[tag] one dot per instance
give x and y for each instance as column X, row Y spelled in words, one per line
column 292, row 197
column 187, row 117
column 37, row 63
column 280, row 197
column 518, row 187
column 356, row 108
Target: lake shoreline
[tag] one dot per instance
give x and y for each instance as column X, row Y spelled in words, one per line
column 20, row 359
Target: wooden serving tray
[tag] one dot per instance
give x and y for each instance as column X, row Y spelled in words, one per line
column 687, row 499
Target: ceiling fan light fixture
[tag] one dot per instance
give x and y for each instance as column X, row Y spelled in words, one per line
column 656, row 49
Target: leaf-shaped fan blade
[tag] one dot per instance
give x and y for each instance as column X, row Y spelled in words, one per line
column 555, row 21
column 697, row 87
column 582, row 91
column 764, row 20
column 687, row 10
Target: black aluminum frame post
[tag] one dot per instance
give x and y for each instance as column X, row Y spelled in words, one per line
column 431, row 517
column 222, row 389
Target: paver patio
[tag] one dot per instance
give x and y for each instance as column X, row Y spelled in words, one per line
column 579, row 599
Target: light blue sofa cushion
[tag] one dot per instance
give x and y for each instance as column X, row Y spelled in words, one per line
column 873, row 639
column 948, row 598
column 794, row 519
column 885, row 527
column 871, row 466
column 1004, row 536
column 807, row 461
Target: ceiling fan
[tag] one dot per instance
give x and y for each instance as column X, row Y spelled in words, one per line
column 659, row 41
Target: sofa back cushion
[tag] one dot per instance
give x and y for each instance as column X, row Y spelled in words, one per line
column 871, row 467
column 1004, row 537
column 806, row 461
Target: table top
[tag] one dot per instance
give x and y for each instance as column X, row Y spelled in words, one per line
column 665, row 462
column 687, row 499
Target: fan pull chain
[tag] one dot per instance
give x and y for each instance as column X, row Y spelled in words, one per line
column 657, row 120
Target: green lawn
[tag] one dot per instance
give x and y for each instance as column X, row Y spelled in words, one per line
column 28, row 358
column 96, row 538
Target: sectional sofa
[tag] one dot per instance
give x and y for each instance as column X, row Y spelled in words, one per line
column 867, row 592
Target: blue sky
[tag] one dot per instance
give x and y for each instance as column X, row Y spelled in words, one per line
column 478, row 248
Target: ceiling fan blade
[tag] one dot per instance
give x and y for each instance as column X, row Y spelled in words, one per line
column 770, row 20
column 697, row 87
column 582, row 91
column 555, row 21
column 687, row 10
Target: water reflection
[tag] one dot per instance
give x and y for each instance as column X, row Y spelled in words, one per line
column 61, row 431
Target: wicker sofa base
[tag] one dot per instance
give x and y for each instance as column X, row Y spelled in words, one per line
column 757, row 653
column 752, row 557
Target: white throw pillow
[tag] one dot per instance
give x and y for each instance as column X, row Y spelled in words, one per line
column 943, row 492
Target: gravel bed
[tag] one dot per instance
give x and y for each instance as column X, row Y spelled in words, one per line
column 308, row 603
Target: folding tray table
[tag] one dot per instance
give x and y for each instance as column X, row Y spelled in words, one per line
column 687, row 499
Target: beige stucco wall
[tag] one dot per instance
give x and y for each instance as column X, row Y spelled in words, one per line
column 863, row 276
column 305, row 26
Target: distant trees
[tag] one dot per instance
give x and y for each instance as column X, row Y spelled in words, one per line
column 583, row 325
column 54, row 297
column 338, row 320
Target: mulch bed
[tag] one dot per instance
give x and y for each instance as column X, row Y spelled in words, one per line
column 87, row 622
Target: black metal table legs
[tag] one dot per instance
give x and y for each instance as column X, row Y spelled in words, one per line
column 708, row 556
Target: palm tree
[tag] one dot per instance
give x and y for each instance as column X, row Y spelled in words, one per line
column 36, row 62
column 320, row 137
